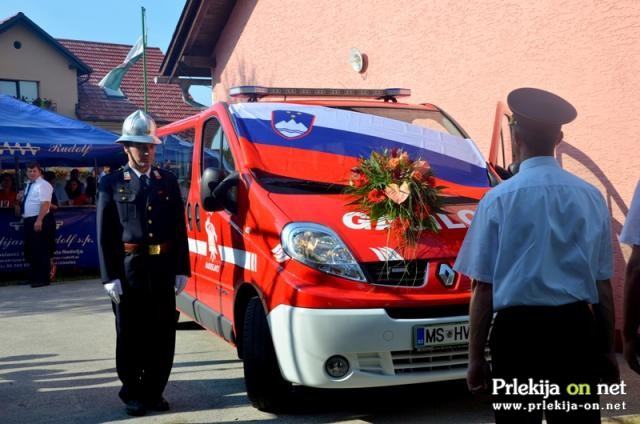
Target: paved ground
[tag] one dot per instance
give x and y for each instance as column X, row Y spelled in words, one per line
column 57, row 366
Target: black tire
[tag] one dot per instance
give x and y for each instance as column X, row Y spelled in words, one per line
column 266, row 388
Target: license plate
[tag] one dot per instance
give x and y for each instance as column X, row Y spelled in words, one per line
column 454, row 333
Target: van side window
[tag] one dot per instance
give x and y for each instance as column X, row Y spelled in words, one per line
column 215, row 147
column 175, row 154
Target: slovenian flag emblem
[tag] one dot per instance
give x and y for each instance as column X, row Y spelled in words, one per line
column 292, row 124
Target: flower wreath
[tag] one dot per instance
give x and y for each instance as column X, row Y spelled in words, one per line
column 392, row 186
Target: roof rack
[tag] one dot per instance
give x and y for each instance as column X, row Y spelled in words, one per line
column 255, row 92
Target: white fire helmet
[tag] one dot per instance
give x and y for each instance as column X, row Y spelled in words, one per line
column 139, row 127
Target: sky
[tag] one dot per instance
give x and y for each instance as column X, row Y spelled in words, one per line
column 111, row 21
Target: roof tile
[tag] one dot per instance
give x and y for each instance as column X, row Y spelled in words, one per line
column 164, row 101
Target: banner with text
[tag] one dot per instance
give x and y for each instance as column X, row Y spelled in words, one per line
column 75, row 239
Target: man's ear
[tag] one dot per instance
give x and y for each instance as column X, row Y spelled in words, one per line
column 560, row 138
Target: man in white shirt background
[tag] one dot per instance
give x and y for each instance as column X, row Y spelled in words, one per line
column 38, row 224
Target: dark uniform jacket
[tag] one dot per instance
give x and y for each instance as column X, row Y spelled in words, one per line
column 128, row 214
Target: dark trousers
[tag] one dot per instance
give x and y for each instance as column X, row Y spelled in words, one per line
column 37, row 248
column 145, row 343
column 556, row 345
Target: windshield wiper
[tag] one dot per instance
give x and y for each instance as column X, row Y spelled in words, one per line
column 283, row 184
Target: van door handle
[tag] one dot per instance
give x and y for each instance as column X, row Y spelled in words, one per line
column 198, row 216
column 189, row 217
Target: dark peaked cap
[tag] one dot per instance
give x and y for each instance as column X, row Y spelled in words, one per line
column 535, row 108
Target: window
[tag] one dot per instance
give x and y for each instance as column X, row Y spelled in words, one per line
column 215, row 147
column 176, row 155
column 24, row 90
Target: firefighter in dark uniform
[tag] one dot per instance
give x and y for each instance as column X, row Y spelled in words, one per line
column 144, row 263
column 540, row 252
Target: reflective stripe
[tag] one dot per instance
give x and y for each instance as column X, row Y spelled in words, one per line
column 241, row 258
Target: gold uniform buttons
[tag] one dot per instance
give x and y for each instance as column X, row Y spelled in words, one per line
column 150, row 221
column 151, row 235
column 149, row 208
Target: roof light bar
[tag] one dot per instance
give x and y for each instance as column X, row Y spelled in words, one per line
column 254, row 92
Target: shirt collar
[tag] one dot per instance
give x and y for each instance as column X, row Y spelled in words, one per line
column 537, row 161
column 138, row 173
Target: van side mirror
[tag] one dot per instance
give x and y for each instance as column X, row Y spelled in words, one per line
column 214, row 189
column 211, row 178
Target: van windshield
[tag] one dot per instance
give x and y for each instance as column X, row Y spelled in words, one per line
column 321, row 144
column 431, row 119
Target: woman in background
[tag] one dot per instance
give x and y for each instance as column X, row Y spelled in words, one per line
column 76, row 196
column 8, row 192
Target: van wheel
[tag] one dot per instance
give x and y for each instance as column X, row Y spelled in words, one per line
column 266, row 388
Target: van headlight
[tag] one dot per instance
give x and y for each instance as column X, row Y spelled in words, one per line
column 319, row 247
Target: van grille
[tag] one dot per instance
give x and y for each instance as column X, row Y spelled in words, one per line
column 436, row 359
column 396, row 273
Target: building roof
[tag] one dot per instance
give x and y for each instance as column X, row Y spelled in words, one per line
column 195, row 38
column 20, row 18
column 164, row 101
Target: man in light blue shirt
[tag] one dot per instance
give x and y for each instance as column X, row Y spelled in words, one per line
column 539, row 252
column 631, row 235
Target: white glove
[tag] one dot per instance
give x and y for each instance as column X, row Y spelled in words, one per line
column 114, row 290
column 181, row 282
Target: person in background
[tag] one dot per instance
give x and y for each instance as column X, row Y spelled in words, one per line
column 8, row 193
column 539, row 251
column 39, row 226
column 144, row 264
column 90, row 190
column 631, row 235
column 76, row 196
column 74, row 175
column 50, row 177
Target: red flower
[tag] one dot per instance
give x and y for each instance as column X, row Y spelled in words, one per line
column 376, row 196
column 417, row 175
column 394, row 152
column 431, row 181
column 359, row 180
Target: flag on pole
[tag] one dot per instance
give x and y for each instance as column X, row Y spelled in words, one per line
column 111, row 82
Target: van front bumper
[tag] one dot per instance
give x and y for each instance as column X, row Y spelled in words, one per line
column 380, row 349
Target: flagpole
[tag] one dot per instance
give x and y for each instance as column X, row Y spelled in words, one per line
column 144, row 60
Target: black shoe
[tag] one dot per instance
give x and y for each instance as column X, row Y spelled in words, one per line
column 159, row 405
column 135, row 408
column 39, row 284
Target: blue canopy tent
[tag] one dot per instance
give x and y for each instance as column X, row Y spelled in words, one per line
column 29, row 133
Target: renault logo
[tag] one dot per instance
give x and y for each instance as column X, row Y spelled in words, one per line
column 447, row 275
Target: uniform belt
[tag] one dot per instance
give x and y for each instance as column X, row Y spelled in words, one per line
column 149, row 249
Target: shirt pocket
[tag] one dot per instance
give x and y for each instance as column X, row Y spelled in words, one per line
column 126, row 204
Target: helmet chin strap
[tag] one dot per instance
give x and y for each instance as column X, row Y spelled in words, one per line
column 134, row 162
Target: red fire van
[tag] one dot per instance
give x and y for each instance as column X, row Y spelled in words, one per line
column 309, row 290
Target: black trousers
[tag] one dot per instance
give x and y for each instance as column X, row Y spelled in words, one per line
column 37, row 248
column 553, row 346
column 145, row 343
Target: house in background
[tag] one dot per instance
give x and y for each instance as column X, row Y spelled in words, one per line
column 35, row 65
column 64, row 75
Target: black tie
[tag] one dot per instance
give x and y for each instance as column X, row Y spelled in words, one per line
column 26, row 193
column 144, row 182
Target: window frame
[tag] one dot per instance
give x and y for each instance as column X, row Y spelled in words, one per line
column 17, row 83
